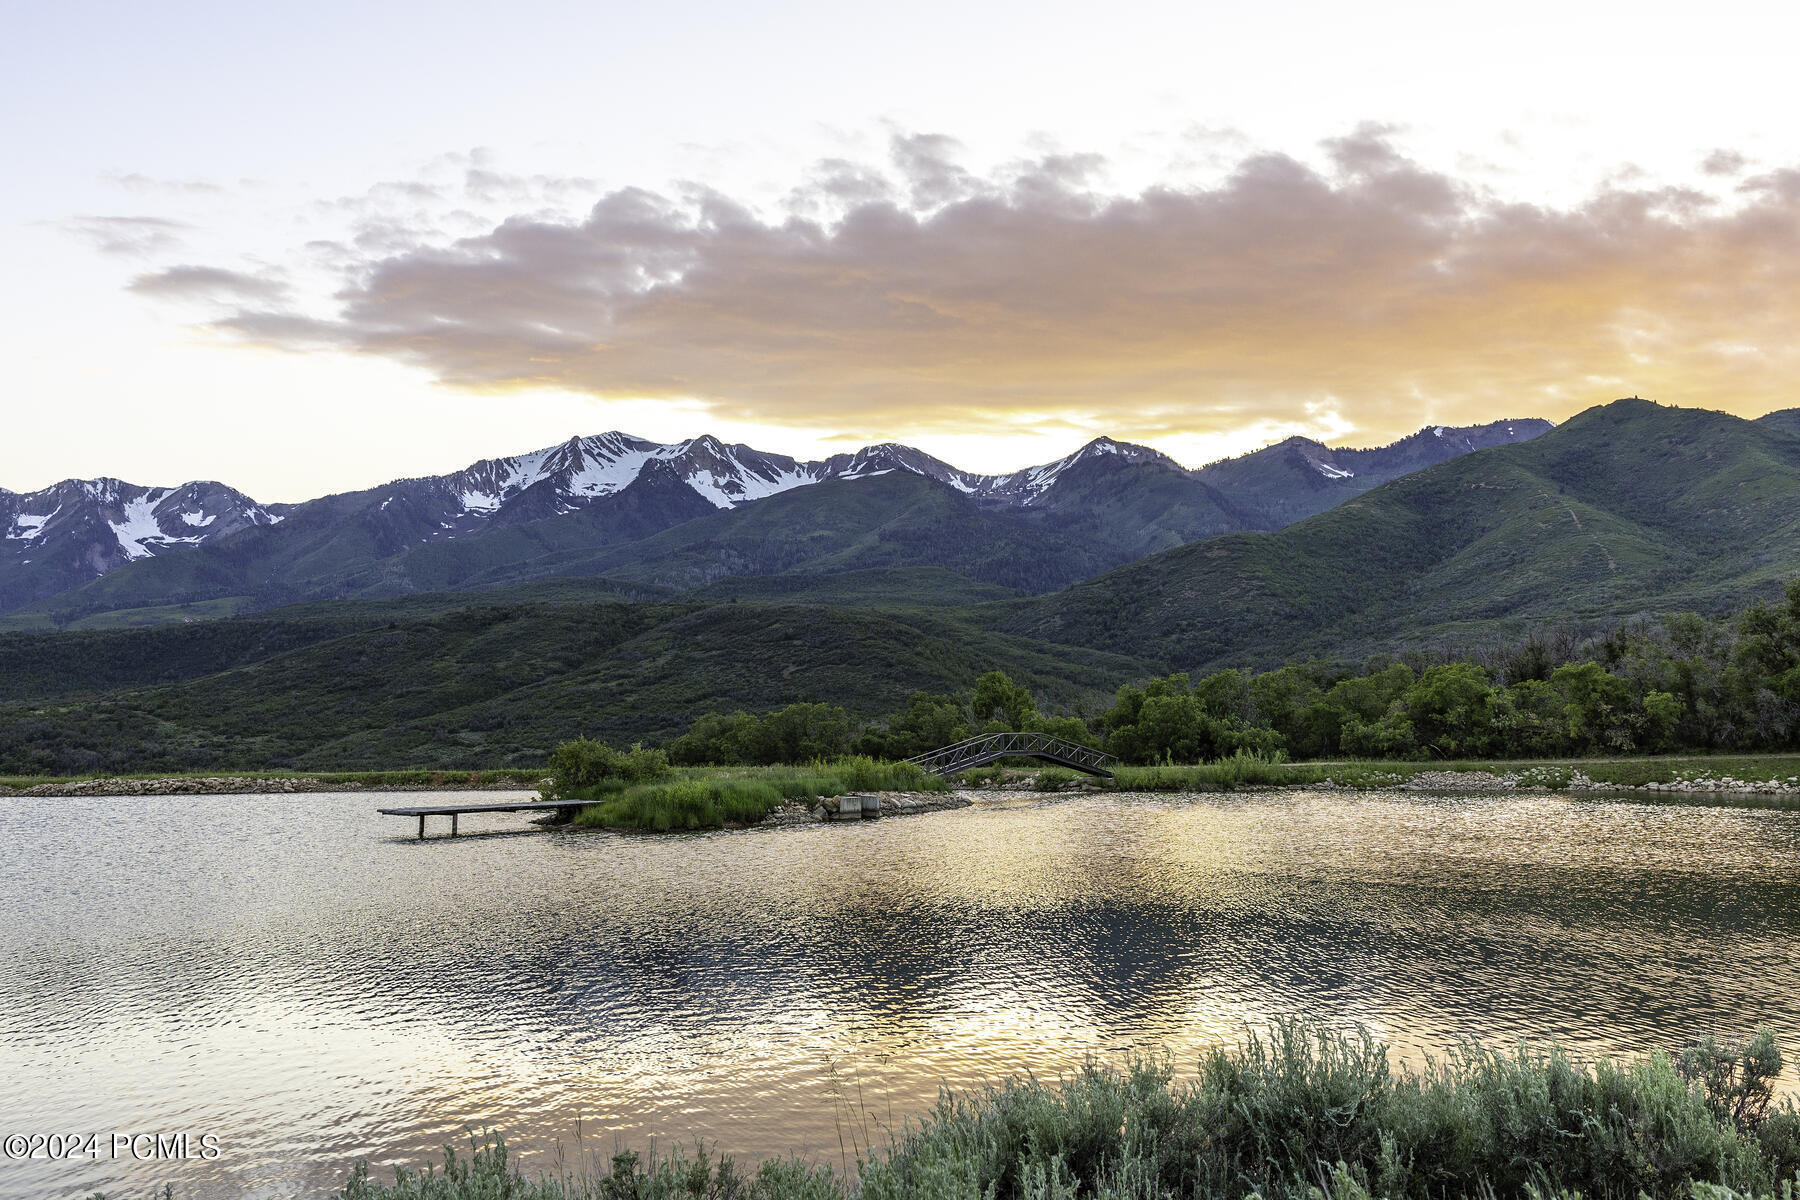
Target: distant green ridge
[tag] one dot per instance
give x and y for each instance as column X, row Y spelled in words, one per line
column 1626, row 508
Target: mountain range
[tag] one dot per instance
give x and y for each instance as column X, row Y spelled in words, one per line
column 818, row 593
column 1629, row 507
column 74, row 531
column 685, row 515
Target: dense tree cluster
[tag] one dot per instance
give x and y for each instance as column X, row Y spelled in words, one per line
column 1663, row 684
column 795, row 734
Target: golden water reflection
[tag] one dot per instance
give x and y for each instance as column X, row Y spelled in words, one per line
column 298, row 978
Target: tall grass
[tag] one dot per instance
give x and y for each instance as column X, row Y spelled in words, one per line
column 1243, row 769
column 710, row 798
column 1301, row 1113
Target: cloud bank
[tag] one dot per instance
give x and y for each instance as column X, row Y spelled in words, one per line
column 207, row 283
column 917, row 296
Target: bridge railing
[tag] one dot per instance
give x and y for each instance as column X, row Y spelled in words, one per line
column 990, row 747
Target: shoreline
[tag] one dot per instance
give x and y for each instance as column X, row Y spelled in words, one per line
column 1473, row 780
column 893, row 804
column 258, row 785
column 1389, row 777
column 1528, row 780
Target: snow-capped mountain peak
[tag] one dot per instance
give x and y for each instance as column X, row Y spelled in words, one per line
column 585, row 469
column 1030, row 485
column 67, row 534
column 82, row 528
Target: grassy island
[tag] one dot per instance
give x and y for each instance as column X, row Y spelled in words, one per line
column 638, row 789
column 1302, row 1113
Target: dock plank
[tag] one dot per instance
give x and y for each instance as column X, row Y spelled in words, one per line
column 444, row 810
column 454, row 811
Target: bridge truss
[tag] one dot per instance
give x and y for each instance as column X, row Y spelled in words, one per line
column 991, row 747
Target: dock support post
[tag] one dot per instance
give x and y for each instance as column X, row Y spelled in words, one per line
column 452, row 824
column 421, row 827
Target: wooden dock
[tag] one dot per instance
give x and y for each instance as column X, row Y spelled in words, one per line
column 453, row 811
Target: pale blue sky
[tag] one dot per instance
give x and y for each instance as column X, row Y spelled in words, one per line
column 141, row 137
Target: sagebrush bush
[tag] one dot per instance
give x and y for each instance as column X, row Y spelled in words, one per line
column 1738, row 1078
column 1299, row 1113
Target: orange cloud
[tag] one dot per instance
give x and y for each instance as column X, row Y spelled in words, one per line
column 926, row 299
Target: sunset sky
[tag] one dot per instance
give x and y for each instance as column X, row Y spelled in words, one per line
column 308, row 248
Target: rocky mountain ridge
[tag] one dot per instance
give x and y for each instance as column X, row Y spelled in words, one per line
column 82, row 528
column 617, row 488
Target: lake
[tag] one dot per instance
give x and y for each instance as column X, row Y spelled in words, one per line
column 300, row 980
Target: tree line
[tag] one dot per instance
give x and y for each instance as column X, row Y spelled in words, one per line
column 1662, row 684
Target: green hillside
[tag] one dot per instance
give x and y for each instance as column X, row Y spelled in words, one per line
column 488, row 685
column 1626, row 508
column 875, row 587
column 1787, row 420
column 892, row 521
column 1140, row 508
column 92, row 661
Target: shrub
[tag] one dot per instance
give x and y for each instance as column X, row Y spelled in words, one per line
column 1300, row 1112
column 1738, row 1078
column 642, row 766
column 587, row 766
column 580, row 764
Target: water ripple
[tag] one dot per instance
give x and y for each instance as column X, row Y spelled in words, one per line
column 290, row 975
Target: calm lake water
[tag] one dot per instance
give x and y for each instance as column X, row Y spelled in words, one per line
column 298, row 978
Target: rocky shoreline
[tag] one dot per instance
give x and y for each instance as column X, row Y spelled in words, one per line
column 905, row 803
column 1552, row 778
column 893, row 804
column 1545, row 778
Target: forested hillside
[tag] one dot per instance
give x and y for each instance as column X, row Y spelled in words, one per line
column 489, row 684
column 1626, row 508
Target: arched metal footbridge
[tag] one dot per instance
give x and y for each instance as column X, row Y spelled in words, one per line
column 991, row 747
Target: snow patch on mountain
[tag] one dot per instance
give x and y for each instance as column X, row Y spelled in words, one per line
column 137, row 526
column 472, row 501
column 1029, row 486
column 82, row 528
column 592, row 473
column 27, row 526
column 735, row 477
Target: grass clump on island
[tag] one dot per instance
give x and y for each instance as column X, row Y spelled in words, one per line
column 1299, row 1113
column 638, row 789
column 1242, row 769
